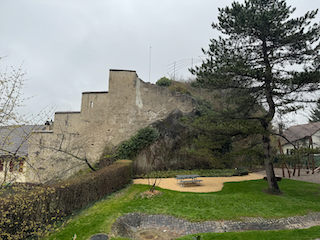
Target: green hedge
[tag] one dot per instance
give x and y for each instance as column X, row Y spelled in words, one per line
column 31, row 213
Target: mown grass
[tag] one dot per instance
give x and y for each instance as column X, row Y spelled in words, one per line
column 296, row 234
column 236, row 200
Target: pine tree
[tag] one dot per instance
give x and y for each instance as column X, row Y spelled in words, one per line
column 251, row 61
column 315, row 113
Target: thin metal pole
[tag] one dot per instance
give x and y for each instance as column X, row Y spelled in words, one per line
column 150, row 65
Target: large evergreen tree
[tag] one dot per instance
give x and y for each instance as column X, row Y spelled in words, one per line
column 315, row 113
column 264, row 58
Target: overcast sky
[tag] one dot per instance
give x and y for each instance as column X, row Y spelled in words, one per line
column 68, row 47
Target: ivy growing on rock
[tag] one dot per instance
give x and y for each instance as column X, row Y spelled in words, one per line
column 130, row 148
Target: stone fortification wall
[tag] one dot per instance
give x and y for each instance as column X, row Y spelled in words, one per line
column 106, row 118
column 66, row 120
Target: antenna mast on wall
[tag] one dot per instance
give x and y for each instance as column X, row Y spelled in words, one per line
column 150, row 65
column 174, row 67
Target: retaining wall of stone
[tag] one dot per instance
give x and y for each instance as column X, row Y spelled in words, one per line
column 130, row 223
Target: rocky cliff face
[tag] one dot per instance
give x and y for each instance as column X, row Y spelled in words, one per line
column 167, row 152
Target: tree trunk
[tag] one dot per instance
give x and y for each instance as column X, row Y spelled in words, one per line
column 89, row 165
column 313, row 164
column 5, row 171
column 288, row 170
column 272, row 181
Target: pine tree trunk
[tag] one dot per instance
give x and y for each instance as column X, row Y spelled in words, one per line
column 272, row 181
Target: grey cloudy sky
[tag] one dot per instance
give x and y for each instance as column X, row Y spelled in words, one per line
column 68, row 47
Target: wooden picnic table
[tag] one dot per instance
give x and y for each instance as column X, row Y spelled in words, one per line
column 189, row 178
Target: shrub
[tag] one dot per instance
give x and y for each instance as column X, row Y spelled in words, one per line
column 165, row 82
column 107, row 157
column 180, row 87
column 130, row 148
column 25, row 213
column 30, row 213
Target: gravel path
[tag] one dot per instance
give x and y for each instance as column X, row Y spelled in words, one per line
column 304, row 176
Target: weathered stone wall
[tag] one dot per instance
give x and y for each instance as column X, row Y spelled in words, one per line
column 106, row 118
column 130, row 224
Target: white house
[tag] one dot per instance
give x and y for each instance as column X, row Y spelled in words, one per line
column 301, row 136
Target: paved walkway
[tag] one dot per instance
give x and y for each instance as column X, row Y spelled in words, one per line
column 130, row 223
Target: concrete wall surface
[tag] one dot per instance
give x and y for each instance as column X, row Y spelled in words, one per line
column 106, row 118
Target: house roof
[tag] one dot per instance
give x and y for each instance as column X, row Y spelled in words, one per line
column 298, row 132
column 14, row 139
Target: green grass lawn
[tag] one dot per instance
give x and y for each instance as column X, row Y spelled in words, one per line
column 296, row 234
column 236, row 200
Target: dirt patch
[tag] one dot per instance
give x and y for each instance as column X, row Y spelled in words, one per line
column 208, row 184
column 149, row 194
column 155, row 234
column 123, row 161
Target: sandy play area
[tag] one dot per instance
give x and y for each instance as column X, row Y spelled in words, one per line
column 208, row 184
column 215, row 184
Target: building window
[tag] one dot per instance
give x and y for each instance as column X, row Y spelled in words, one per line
column 11, row 165
column 20, row 166
column 16, row 166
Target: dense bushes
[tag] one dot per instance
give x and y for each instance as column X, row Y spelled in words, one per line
column 200, row 172
column 130, row 148
column 165, row 82
column 31, row 212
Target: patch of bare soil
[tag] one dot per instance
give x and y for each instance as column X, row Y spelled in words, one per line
column 155, row 234
column 150, row 194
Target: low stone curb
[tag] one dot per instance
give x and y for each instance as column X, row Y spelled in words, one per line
column 130, row 223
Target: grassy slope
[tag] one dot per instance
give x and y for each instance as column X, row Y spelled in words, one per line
column 234, row 201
